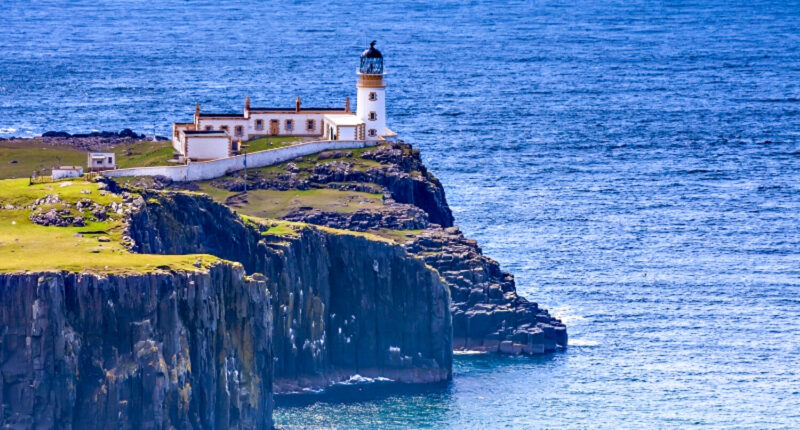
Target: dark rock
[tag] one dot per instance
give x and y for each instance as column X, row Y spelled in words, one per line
column 56, row 134
column 487, row 296
column 57, row 217
column 130, row 134
column 341, row 302
column 393, row 216
column 159, row 350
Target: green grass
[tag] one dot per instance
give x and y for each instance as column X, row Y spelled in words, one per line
column 277, row 204
column 218, row 194
column 292, row 229
column 18, row 159
column 398, row 236
column 143, row 154
column 25, row 246
column 271, row 142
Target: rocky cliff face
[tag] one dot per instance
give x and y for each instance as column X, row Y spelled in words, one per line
column 156, row 350
column 342, row 304
column 488, row 314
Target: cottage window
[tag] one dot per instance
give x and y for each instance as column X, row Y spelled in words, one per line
column 373, row 96
column 109, row 160
column 373, row 116
column 209, row 127
column 289, row 125
column 239, row 130
column 310, row 125
column 259, row 124
column 373, row 132
column 224, row 128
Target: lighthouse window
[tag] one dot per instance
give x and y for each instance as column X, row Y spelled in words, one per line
column 310, row 125
column 373, row 116
column 289, row 125
column 239, row 130
column 372, row 132
column 373, row 96
column 259, row 124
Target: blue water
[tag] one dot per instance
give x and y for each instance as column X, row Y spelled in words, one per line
column 636, row 165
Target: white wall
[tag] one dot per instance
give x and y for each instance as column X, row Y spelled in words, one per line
column 207, row 148
column 364, row 106
column 346, row 133
column 199, row 171
column 66, row 173
column 250, row 131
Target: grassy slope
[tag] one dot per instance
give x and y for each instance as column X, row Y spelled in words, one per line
column 272, row 142
column 273, row 204
column 27, row 246
column 291, row 229
column 30, row 156
column 33, row 155
column 277, row 204
column 143, row 154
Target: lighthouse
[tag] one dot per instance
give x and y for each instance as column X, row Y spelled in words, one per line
column 371, row 100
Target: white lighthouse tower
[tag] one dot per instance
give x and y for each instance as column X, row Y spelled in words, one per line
column 371, row 101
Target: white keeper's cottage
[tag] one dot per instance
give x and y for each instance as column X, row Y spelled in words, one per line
column 216, row 135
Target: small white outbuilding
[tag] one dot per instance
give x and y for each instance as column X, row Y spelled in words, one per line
column 61, row 172
column 101, row 161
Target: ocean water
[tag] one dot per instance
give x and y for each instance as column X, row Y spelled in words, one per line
column 635, row 164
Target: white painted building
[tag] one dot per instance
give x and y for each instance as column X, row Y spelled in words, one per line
column 216, row 135
column 98, row 161
column 61, row 172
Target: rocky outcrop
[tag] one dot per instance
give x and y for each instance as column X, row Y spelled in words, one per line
column 343, row 304
column 397, row 171
column 394, row 216
column 93, row 141
column 155, row 350
column 488, row 315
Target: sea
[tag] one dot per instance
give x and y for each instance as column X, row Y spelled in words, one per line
column 635, row 164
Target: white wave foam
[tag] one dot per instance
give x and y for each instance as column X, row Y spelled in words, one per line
column 567, row 315
column 358, row 379
column 469, row 352
column 582, row 342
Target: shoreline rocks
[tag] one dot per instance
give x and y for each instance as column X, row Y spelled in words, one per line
column 96, row 140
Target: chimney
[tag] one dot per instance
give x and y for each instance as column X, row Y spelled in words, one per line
column 347, row 104
column 297, row 105
column 196, row 115
column 247, row 107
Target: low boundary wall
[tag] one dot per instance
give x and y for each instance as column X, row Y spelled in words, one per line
column 202, row 170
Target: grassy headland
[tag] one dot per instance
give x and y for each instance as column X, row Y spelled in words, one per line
column 96, row 246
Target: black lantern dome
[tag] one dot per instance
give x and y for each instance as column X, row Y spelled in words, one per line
column 371, row 61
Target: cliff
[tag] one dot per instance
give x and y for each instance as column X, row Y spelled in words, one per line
column 155, row 350
column 157, row 310
column 343, row 303
column 334, row 188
